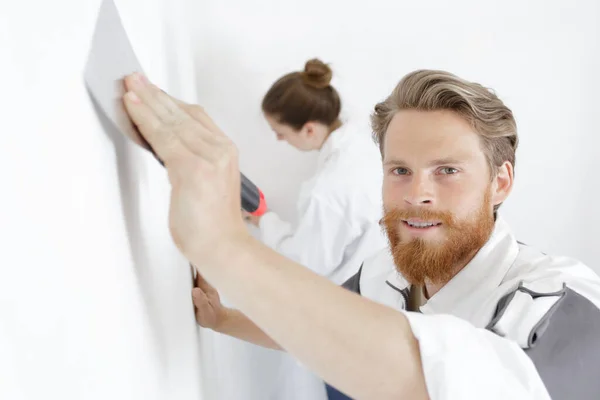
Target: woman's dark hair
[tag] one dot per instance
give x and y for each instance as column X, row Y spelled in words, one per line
column 299, row 97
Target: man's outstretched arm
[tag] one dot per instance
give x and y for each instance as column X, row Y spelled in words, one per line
column 362, row 348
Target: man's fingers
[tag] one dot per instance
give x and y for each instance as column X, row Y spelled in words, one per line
column 198, row 113
column 198, row 134
column 158, row 101
column 201, row 116
column 163, row 141
column 169, row 127
column 172, row 116
column 199, row 140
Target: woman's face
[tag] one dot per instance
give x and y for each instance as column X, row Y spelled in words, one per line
column 302, row 140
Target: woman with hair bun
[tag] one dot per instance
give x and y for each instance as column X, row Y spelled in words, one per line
column 339, row 208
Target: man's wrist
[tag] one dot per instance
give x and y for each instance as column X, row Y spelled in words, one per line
column 220, row 253
column 231, row 250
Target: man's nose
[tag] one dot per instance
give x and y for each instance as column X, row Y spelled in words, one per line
column 420, row 191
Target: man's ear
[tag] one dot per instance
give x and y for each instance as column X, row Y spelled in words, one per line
column 503, row 183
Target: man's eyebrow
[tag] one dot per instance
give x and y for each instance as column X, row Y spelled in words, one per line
column 433, row 163
column 447, row 160
column 394, row 161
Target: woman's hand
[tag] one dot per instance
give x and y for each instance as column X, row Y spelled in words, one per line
column 253, row 219
column 210, row 312
column 202, row 164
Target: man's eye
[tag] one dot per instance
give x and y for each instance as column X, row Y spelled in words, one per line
column 448, row 170
column 400, row 171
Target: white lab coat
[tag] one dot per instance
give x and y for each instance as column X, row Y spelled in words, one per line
column 510, row 305
column 339, row 209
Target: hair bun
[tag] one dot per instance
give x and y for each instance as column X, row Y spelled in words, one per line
column 317, row 74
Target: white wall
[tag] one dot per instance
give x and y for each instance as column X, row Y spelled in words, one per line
column 542, row 58
column 94, row 297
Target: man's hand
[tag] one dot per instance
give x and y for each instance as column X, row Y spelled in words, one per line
column 202, row 163
column 210, row 313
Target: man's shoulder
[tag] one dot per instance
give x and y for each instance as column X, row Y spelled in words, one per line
column 546, row 273
column 540, row 290
column 551, row 309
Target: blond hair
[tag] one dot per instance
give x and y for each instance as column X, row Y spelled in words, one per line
column 431, row 90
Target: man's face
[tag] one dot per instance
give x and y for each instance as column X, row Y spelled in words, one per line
column 438, row 193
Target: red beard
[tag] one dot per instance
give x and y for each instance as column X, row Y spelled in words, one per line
column 420, row 260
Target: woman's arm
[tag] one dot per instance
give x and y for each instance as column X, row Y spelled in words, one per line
column 318, row 241
column 237, row 325
column 211, row 314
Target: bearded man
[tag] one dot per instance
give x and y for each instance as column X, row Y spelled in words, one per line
column 456, row 308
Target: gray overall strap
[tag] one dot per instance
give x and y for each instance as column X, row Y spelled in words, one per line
column 564, row 345
column 353, row 283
